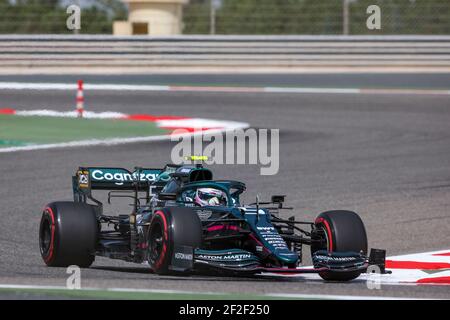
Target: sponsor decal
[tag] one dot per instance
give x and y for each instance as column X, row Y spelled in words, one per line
column 237, row 257
column 83, row 179
column 265, row 228
column 269, row 235
column 120, row 177
column 184, row 256
column 333, row 258
column 253, row 211
column 204, row 214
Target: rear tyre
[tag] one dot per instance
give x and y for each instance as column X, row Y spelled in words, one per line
column 68, row 234
column 342, row 231
column 170, row 227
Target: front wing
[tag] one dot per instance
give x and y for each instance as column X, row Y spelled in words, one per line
column 241, row 262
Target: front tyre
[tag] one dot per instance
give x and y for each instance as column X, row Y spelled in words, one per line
column 340, row 231
column 171, row 227
column 68, row 234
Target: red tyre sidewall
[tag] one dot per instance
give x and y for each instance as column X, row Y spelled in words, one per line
column 164, row 259
column 49, row 215
column 321, row 222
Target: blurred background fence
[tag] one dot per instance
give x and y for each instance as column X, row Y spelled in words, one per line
column 89, row 53
column 268, row 17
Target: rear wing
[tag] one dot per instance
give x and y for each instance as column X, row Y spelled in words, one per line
column 115, row 178
column 87, row 179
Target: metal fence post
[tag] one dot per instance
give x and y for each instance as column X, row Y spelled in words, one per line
column 212, row 15
column 346, row 17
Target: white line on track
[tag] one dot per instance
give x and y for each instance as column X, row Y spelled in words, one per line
column 230, row 294
column 106, row 142
column 42, row 287
column 85, row 143
column 69, row 86
column 143, row 87
column 311, row 90
column 333, row 297
column 70, row 114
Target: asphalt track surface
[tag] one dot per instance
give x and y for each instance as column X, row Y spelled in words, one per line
column 386, row 157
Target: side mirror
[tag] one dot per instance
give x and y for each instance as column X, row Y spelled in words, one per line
column 278, row 198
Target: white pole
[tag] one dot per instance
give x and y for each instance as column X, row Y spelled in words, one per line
column 80, row 99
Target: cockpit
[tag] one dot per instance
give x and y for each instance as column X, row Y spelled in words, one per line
column 194, row 186
column 212, row 193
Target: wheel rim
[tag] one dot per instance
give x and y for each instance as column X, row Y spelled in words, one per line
column 321, row 235
column 155, row 242
column 325, row 233
column 45, row 237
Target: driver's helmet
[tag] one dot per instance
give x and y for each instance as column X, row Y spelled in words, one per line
column 210, row 197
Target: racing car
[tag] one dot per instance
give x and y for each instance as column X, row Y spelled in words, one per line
column 182, row 221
